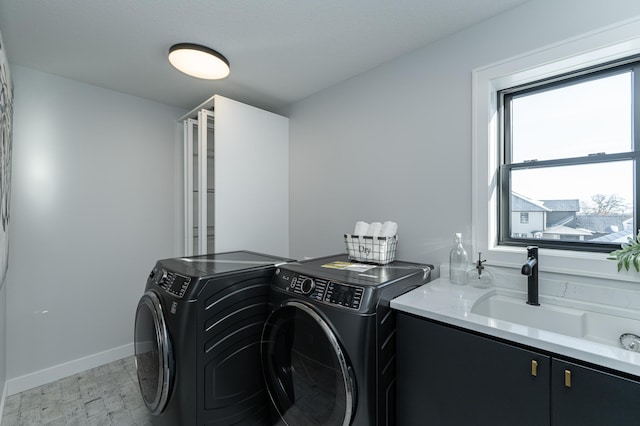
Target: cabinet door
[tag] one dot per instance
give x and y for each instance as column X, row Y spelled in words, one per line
column 584, row 396
column 251, row 178
column 236, row 179
column 450, row 377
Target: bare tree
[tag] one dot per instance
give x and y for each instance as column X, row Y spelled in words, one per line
column 604, row 205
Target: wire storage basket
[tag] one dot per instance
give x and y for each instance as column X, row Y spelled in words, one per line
column 364, row 248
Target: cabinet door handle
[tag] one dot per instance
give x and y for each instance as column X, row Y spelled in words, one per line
column 534, row 368
column 567, row 378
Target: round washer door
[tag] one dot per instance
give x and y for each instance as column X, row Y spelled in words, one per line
column 153, row 353
column 306, row 371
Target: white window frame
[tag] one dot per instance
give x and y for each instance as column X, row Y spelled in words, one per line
column 604, row 45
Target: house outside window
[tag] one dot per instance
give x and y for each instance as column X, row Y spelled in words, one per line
column 569, row 165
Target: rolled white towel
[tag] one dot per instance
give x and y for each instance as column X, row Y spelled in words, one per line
column 361, row 228
column 374, row 229
column 389, row 229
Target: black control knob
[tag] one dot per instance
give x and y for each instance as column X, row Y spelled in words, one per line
column 307, row 285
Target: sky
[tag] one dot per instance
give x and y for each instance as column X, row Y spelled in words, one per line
column 575, row 121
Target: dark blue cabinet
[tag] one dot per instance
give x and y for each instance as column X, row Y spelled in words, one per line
column 585, row 396
column 451, row 376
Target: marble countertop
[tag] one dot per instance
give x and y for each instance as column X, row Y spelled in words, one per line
column 449, row 303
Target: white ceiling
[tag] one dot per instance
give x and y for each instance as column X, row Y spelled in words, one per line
column 280, row 51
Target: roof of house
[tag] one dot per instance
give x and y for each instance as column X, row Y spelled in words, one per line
column 564, row 220
column 562, row 205
column 601, row 223
column 615, row 237
column 520, row 203
column 565, row 230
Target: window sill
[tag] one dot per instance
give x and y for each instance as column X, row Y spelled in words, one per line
column 562, row 262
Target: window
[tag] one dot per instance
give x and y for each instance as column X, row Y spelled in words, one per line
column 569, row 167
column 583, row 52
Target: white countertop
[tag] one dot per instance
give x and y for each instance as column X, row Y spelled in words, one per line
column 449, row 303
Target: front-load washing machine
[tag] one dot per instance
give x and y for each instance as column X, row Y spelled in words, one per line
column 328, row 346
column 197, row 339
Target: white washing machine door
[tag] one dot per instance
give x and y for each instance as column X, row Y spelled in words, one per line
column 154, row 358
column 307, row 374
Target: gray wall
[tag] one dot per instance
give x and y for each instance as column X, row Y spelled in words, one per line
column 94, row 205
column 395, row 143
column 96, row 178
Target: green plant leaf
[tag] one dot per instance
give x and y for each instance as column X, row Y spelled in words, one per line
column 628, row 255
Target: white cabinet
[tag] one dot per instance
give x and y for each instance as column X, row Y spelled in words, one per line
column 236, row 179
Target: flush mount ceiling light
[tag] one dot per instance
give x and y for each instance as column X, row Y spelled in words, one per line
column 199, row 61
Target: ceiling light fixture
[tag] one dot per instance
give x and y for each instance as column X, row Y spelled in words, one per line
column 199, row 61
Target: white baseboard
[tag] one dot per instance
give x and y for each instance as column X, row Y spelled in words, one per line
column 60, row 371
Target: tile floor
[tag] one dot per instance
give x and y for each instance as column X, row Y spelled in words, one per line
column 104, row 396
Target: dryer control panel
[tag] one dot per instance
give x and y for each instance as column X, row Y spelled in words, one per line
column 170, row 282
column 322, row 290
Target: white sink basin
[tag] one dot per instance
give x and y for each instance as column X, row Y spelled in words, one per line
column 546, row 317
column 596, row 323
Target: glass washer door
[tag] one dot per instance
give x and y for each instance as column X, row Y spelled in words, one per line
column 152, row 353
column 307, row 374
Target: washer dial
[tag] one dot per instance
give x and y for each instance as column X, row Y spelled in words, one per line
column 307, row 285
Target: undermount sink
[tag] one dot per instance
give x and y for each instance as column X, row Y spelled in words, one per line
column 585, row 322
column 546, row 317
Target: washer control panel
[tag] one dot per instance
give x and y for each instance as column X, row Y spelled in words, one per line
column 170, row 282
column 344, row 295
column 330, row 292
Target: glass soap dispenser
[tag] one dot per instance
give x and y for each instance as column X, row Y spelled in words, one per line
column 458, row 262
column 479, row 276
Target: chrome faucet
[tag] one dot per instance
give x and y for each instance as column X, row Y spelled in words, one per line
column 530, row 269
